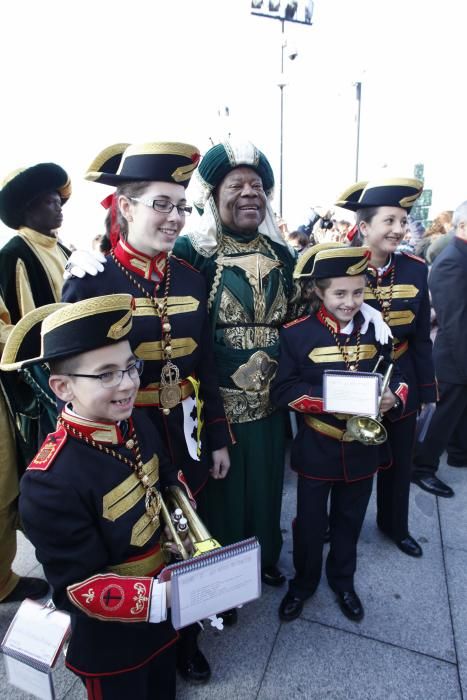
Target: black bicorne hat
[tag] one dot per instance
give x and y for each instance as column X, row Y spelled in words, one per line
column 161, row 162
column 326, row 260
column 391, row 192
column 22, row 186
column 57, row 331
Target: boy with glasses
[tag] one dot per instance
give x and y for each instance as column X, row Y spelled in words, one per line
column 90, row 500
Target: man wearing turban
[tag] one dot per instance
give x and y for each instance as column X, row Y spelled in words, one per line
column 248, row 268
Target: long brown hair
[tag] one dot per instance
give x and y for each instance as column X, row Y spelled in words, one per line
column 306, row 295
column 129, row 190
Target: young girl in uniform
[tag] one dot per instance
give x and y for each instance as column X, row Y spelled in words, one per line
column 397, row 286
column 328, row 461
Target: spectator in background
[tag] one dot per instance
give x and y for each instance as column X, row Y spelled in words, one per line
column 31, row 269
column 417, row 230
column 440, row 242
column 297, row 240
column 448, row 286
column 343, row 227
column 440, row 226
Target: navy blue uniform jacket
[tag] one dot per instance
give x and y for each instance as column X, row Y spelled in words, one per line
column 192, row 353
column 321, row 450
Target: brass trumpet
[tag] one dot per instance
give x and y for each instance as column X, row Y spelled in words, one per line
column 366, row 429
column 198, row 534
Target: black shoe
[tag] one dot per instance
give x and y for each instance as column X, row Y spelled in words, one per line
column 433, row 485
column 453, row 462
column 194, row 669
column 351, row 605
column 230, row 617
column 272, row 576
column 27, row 587
column 409, row 546
column 290, row 608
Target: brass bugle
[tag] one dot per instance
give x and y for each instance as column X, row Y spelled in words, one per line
column 200, row 537
column 366, row 429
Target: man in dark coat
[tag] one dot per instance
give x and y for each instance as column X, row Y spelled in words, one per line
column 448, row 286
column 31, row 270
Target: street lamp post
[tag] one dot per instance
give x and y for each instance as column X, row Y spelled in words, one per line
column 281, row 85
column 358, row 95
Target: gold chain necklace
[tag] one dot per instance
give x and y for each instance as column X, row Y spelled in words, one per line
column 152, row 501
column 385, row 303
column 170, row 393
column 350, row 363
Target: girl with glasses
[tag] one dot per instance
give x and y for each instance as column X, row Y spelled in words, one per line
column 171, row 332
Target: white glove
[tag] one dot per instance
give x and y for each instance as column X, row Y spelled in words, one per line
column 382, row 330
column 83, row 262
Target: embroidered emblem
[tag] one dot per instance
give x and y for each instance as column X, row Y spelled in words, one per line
column 140, row 598
column 112, row 597
column 49, row 450
column 89, row 596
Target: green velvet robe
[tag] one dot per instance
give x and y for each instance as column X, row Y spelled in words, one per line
column 249, row 281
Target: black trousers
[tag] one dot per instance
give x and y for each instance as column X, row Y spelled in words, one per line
column 154, row 681
column 348, row 506
column 393, row 484
column 447, row 430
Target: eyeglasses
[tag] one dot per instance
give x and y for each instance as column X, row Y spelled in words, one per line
column 115, row 377
column 164, row 206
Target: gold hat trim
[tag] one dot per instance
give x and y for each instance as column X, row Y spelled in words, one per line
column 395, row 182
column 11, row 176
column 86, row 308
column 343, row 252
column 159, row 148
column 95, row 169
column 20, row 331
column 184, row 172
column 121, row 328
column 314, row 250
column 359, row 268
column 343, row 198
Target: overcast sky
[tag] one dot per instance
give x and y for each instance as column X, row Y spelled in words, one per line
column 78, row 76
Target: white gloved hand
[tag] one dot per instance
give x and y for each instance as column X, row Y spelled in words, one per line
column 84, row 262
column 382, row 331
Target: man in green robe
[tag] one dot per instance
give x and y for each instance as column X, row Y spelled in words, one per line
column 248, row 268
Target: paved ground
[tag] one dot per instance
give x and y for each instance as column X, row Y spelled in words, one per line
column 412, row 643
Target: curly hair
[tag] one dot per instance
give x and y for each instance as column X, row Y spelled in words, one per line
column 440, row 224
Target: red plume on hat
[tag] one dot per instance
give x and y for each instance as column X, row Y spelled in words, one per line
column 352, row 233
column 110, row 202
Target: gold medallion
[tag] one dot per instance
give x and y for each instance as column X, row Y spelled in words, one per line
column 170, row 393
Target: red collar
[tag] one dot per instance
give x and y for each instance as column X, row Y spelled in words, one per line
column 328, row 319
column 374, row 270
column 139, row 263
column 109, row 433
